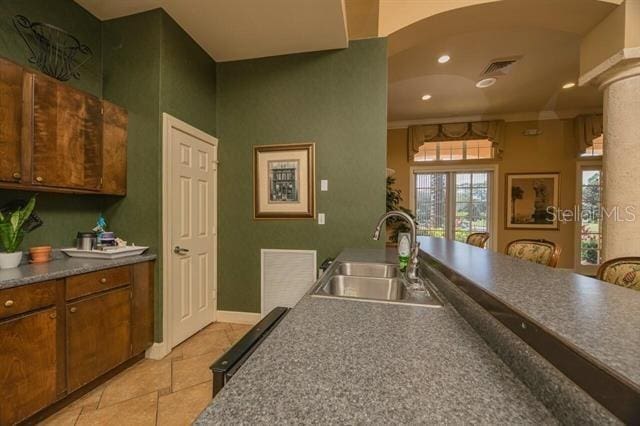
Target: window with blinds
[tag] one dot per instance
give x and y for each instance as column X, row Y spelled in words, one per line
column 477, row 149
column 595, row 150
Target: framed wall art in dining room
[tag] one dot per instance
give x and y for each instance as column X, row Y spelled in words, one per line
column 532, row 200
column 284, row 181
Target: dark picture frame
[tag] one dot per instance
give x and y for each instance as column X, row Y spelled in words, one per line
column 527, row 199
column 284, row 181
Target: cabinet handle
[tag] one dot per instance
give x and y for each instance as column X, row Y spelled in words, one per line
column 103, row 280
column 17, row 176
column 8, row 303
column 72, row 310
column 39, row 179
column 52, row 315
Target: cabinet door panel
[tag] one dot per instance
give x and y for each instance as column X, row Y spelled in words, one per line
column 67, row 139
column 27, row 365
column 114, row 145
column 10, row 121
column 142, row 318
column 98, row 336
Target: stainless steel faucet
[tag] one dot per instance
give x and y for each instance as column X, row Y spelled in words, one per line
column 412, row 267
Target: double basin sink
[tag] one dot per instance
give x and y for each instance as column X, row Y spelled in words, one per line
column 372, row 282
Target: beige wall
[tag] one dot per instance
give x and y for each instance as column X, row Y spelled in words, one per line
column 553, row 151
column 619, row 30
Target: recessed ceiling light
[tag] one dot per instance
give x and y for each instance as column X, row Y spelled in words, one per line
column 426, row 97
column 568, row 85
column 444, row 59
column 486, row 82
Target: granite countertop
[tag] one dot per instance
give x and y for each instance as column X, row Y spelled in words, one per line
column 338, row 361
column 597, row 319
column 62, row 266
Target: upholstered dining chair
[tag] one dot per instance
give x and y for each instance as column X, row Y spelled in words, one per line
column 478, row 239
column 622, row 271
column 543, row 252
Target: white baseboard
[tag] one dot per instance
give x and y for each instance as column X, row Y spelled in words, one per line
column 250, row 318
column 157, row 351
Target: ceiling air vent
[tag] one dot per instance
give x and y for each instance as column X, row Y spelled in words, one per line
column 499, row 67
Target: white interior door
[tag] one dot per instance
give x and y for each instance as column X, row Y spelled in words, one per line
column 192, row 219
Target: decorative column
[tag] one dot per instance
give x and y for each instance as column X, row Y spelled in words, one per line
column 621, row 160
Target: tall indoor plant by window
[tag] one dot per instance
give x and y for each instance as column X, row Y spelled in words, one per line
column 12, row 232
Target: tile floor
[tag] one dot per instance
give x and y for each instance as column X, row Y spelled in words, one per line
column 171, row 391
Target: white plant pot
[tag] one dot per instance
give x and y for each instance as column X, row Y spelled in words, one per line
column 10, row 260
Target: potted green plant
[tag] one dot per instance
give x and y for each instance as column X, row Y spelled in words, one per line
column 11, row 234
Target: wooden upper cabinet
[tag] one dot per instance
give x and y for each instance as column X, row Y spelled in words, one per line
column 56, row 138
column 28, row 361
column 67, row 136
column 11, row 89
column 114, row 149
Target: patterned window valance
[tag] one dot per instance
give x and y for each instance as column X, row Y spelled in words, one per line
column 587, row 128
column 492, row 130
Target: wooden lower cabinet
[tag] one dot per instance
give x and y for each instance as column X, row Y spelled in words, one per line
column 98, row 336
column 57, row 336
column 28, row 364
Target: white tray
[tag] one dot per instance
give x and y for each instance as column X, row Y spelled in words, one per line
column 110, row 254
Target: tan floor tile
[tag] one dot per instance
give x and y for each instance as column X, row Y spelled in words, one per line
column 239, row 327
column 203, row 343
column 138, row 411
column 66, row 416
column 235, row 335
column 182, row 407
column 145, row 377
column 216, row 326
column 191, row 371
column 90, row 400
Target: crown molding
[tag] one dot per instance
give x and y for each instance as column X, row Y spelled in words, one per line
column 623, row 55
column 511, row 117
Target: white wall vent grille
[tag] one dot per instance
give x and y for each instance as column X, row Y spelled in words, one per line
column 286, row 275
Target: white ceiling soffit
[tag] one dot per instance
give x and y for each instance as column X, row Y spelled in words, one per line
column 545, row 34
column 231, row 30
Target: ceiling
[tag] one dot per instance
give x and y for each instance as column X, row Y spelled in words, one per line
column 232, row 29
column 546, row 35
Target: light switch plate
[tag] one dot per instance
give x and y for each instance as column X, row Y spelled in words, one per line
column 320, row 218
column 324, row 185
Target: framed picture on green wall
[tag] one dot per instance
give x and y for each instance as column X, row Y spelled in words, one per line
column 284, row 181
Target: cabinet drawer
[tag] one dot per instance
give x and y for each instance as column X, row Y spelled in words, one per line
column 94, row 282
column 17, row 300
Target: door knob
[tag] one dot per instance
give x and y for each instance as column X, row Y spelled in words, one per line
column 180, row 250
column 39, row 179
column 17, row 176
column 73, row 310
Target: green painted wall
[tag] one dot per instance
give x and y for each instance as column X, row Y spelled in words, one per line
column 188, row 78
column 63, row 215
column 65, row 14
column 337, row 99
column 132, row 79
column 152, row 66
column 147, row 64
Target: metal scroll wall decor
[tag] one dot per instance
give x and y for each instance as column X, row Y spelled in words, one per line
column 53, row 50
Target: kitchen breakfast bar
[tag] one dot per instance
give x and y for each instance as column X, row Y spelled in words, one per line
column 515, row 342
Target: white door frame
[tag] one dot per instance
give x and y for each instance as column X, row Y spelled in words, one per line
column 493, row 193
column 159, row 350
